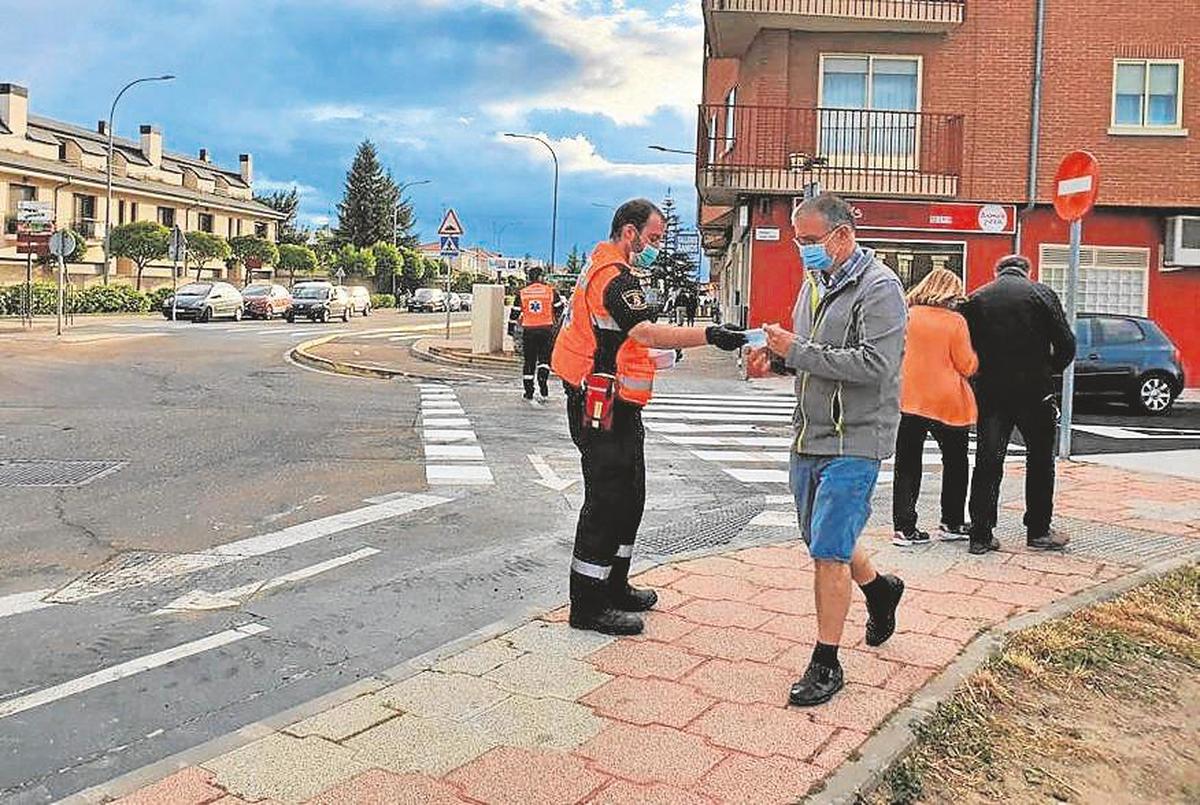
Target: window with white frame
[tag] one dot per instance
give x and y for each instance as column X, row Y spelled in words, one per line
column 1112, row 279
column 1147, row 94
column 868, row 105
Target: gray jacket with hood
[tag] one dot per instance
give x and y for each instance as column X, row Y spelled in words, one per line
column 849, row 344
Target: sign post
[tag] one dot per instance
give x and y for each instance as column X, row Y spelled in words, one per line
column 449, row 233
column 176, row 250
column 35, row 220
column 62, row 243
column 1076, row 185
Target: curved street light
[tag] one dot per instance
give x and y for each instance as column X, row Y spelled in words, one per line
column 112, row 110
column 554, row 216
column 666, row 150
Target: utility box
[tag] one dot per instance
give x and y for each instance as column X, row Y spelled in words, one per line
column 487, row 319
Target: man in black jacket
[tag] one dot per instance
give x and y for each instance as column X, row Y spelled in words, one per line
column 1023, row 339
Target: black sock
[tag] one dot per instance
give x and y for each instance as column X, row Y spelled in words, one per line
column 826, row 655
column 876, row 590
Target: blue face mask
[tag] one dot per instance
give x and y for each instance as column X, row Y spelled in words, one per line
column 815, row 256
column 646, row 257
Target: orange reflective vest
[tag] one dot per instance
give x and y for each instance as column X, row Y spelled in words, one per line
column 574, row 355
column 537, row 306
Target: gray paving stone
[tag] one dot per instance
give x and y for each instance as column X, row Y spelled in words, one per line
column 556, row 638
column 285, row 769
column 409, row 743
column 541, row 675
column 478, row 660
column 538, row 723
column 344, row 720
column 439, row 695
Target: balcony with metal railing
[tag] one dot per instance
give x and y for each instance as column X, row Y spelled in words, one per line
column 777, row 150
column 733, row 24
column 88, row 228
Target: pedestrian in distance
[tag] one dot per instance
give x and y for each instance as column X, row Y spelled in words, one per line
column 541, row 308
column 1023, row 339
column 844, row 346
column 607, row 353
column 935, row 400
column 692, row 304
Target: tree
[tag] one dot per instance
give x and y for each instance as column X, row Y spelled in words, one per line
column 78, row 251
column 204, row 247
column 324, row 244
column 674, row 270
column 575, row 261
column 367, row 210
column 141, row 242
column 247, row 247
column 354, row 261
column 412, row 270
column 288, row 203
column 296, row 258
column 389, row 262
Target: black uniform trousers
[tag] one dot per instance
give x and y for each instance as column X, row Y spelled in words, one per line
column 614, row 498
column 910, row 465
column 1037, row 422
column 538, row 341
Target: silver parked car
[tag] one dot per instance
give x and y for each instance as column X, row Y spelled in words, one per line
column 360, row 300
column 204, row 301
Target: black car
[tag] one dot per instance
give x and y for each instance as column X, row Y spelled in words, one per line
column 1127, row 358
column 319, row 301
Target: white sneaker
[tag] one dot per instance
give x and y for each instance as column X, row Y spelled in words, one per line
column 959, row 534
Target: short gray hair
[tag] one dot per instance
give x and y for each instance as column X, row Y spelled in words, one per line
column 833, row 209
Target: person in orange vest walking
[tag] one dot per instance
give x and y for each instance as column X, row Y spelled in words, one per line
column 541, row 307
column 607, row 353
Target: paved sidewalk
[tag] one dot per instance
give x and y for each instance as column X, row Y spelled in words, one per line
column 694, row 710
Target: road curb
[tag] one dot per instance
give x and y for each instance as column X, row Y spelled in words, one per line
column 302, row 355
column 423, row 350
column 895, row 738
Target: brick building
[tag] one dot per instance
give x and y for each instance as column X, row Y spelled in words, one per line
column 921, row 112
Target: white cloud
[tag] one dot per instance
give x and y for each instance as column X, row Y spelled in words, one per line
column 579, row 155
column 324, row 113
column 306, row 191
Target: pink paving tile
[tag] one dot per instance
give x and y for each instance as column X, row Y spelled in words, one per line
column 775, row 556
column 378, row 787
column 743, row 780
column 664, row 627
column 789, row 602
column 191, row 786
column 924, row 650
column 911, row 617
column 965, row 606
column 761, row 730
column 1010, row 573
column 944, row 583
column 651, row 754
column 511, row 776
column 1056, row 565
column 1070, row 584
column 839, row 748
column 643, row 659
column 781, row 578
column 1158, row 526
column 659, row 576
column 959, row 629
column 622, row 792
column 669, row 598
column 909, row 679
column 724, row 613
column 742, row 681
column 863, row 667
column 1029, row 595
column 716, row 588
column 797, row 628
column 713, row 566
column 857, row 707
column 647, row 701
column 559, row 615
column 1110, row 572
column 732, row 643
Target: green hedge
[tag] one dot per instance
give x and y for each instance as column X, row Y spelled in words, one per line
column 45, row 299
column 93, row 299
column 382, row 300
column 111, row 299
column 158, row 296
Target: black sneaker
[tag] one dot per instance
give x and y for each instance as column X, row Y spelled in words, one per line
column 907, row 539
column 882, row 624
column 607, row 621
column 1050, row 541
column 983, row 544
column 954, row 533
column 634, row 600
column 818, row 685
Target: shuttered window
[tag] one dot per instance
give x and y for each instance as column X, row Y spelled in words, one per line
column 1111, row 279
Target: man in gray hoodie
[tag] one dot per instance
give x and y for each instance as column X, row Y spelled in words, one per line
column 844, row 346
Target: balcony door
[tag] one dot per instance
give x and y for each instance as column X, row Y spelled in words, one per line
column 869, row 106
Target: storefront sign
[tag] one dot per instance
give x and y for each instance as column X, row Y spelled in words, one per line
column 766, row 233
column 935, row 216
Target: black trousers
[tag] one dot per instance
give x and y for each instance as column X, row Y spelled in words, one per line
column 538, row 343
column 614, row 498
column 1037, row 422
column 910, row 454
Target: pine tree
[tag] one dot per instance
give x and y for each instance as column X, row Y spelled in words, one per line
column 575, row 262
column 368, row 206
column 674, row 270
column 288, row 203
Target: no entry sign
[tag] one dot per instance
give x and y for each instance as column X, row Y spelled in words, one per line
column 1076, row 185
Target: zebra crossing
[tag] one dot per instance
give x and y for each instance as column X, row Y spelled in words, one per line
column 749, row 436
column 453, row 456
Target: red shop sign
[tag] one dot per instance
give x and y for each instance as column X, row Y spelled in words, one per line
column 936, row 216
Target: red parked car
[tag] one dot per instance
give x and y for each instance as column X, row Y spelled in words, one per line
column 266, row 301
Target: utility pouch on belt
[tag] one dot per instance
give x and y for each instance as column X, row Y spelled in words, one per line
column 599, row 400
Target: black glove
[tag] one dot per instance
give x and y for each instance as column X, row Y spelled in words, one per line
column 726, row 337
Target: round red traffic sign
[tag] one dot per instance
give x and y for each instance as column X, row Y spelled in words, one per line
column 1076, row 185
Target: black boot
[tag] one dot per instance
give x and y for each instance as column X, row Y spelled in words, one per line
column 624, row 596
column 592, row 610
column 883, row 597
column 981, row 543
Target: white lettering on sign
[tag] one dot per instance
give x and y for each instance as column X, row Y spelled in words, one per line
column 993, row 218
column 941, row 219
column 1080, row 184
column 766, row 233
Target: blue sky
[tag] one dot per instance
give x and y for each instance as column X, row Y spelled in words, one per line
column 434, row 83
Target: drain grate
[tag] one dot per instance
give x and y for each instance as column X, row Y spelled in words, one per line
column 1100, row 541
column 710, row 529
column 54, row 473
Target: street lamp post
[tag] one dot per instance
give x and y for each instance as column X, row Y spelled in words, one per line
column 112, row 110
column 666, row 150
column 554, row 216
column 396, row 220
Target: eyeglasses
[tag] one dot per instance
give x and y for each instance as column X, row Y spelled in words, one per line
column 811, row 241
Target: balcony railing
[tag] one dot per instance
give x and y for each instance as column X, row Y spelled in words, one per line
column 779, row 150
column 88, row 228
column 947, row 11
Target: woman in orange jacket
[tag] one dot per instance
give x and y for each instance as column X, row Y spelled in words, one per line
column 935, row 399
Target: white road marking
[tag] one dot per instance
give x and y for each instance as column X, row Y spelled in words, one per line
column 732, row 441
column 200, row 600
column 18, row 603
column 687, row 411
column 728, row 405
column 755, row 476
column 438, row 422
column 715, row 417
column 449, row 436
column 741, row 457
column 682, row 427
column 737, row 398
column 127, row 669
column 458, row 474
column 547, row 476
column 1114, row 432
column 459, row 451
column 779, row 500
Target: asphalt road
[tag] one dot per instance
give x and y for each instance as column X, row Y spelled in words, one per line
column 266, row 535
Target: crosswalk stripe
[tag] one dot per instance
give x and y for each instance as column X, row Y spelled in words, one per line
column 432, row 435
column 769, row 398
column 756, row 476
column 458, row 474
column 729, row 405
column 731, row 441
column 742, row 457
column 716, row 417
column 683, row 427
column 454, row 451
column 681, row 412
column 775, row 519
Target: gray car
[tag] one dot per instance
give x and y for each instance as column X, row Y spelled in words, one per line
column 204, row 301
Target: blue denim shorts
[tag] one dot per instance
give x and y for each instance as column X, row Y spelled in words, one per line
column 833, row 501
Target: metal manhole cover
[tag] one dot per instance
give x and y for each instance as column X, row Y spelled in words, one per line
column 54, row 473
column 718, row 526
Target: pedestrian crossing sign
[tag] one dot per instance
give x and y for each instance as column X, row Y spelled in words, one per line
column 449, row 245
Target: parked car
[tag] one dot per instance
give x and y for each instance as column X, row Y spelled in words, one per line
column 467, row 300
column 204, row 301
column 454, row 301
column 320, row 301
column 427, row 300
column 266, row 301
column 360, row 300
column 1127, row 358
